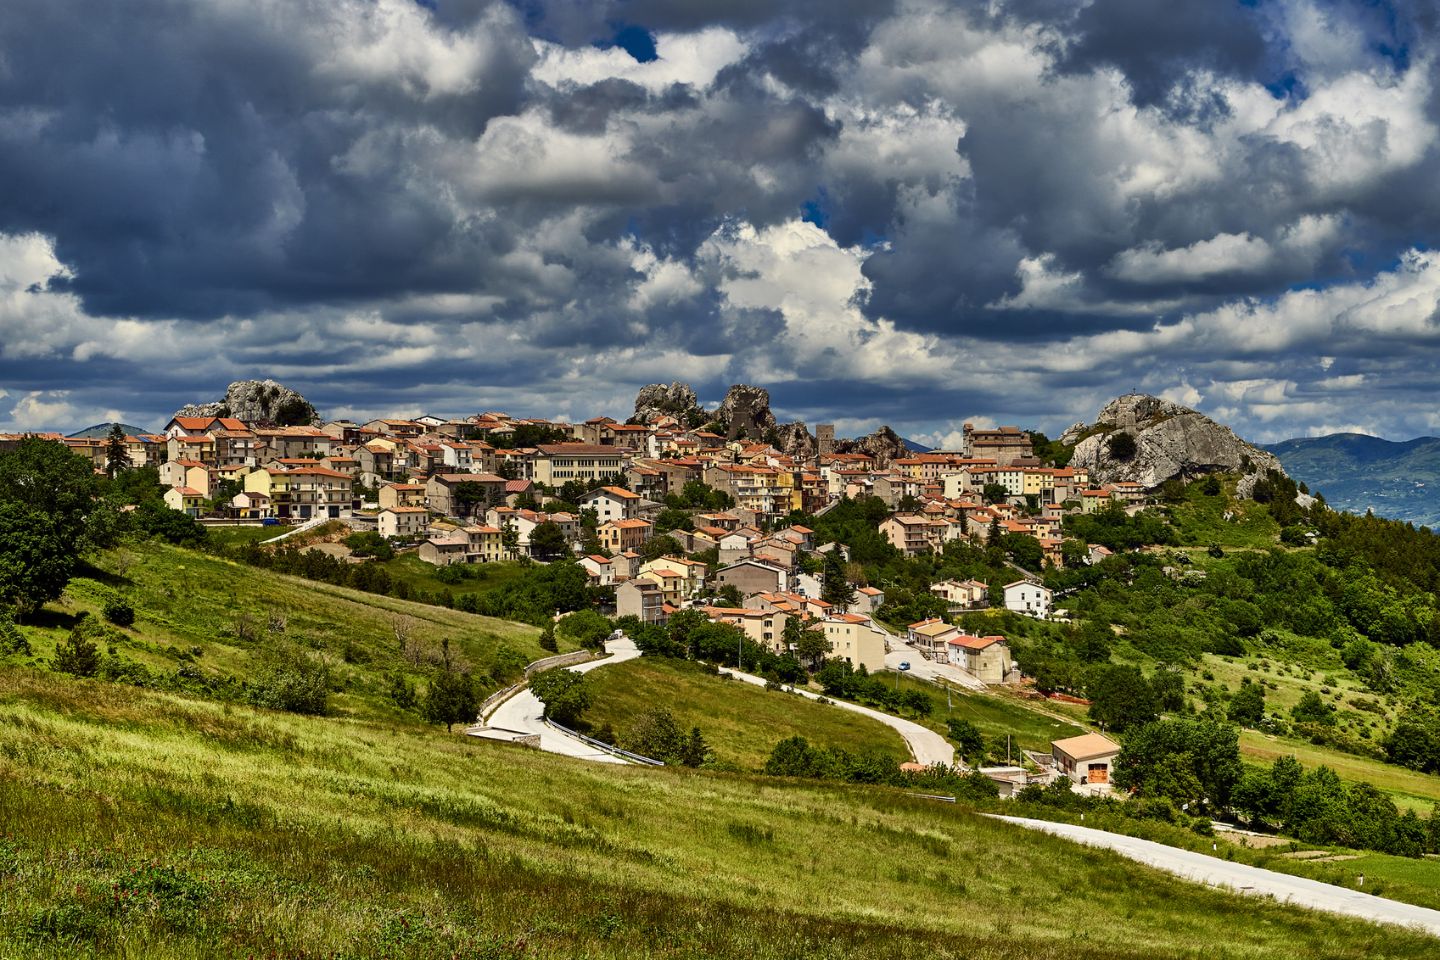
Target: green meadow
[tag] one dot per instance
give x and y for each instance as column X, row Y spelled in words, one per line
column 137, row 823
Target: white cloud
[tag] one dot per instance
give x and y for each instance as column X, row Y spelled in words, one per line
column 688, row 58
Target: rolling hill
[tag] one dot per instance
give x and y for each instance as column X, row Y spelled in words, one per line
column 1356, row 473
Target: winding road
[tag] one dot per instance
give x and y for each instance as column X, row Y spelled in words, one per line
column 1243, row 878
column 926, row 746
column 523, row 713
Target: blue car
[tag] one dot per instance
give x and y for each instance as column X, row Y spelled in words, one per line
column 269, row 522
column 904, row 664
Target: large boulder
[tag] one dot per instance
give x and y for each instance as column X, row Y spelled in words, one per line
column 794, row 439
column 745, row 411
column 884, row 445
column 676, row 400
column 257, row 401
column 1170, row 441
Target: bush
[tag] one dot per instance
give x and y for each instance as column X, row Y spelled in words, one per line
column 118, row 612
column 77, row 655
column 11, row 639
column 450, row 699
column 290, row 679
column 547, row 639
column 585, row 627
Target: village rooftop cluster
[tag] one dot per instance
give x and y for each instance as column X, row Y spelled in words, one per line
column 461, row 491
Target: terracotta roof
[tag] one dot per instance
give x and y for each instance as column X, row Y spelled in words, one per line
column 188, row 492
column 1086, row 746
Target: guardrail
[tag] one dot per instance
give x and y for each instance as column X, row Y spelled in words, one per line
column 602, row 745
column 493, row 701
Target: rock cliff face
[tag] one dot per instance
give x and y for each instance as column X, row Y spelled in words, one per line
column 884, row 445
column 257, row 401
column 676, row 400
column 1170, row 441
column 795, row 440
column 746, row 414
column 746, row 410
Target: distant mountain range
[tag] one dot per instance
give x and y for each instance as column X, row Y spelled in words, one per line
column 916, row 447
column 1355, row 472
column 103, row 430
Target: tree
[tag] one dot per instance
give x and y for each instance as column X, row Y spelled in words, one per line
column 966, row 737
column 1092, row 640
column 547, row 638
column 119, row 612
column 289, row 678
column 835, row 588
column 76, row 655
column 1120, row 698
column 588, row 628
column 657, row 547
column 510, row 539
column 48, row 518
column 565, row 694
column 995, row 492
column 1182, row 760
column 1121, row 445
column 811, row 646
column 1247, row 706
column 451, row 698
column 117, row 451
column 547, row 541
column 1415, row 740
column 468, row 493
column 1312, row 709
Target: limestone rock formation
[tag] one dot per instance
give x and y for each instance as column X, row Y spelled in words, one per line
column 677, row 400
column 884, row 445
column 746, row 413
column 795, row 440
column 257, row 401
column 1171, row 441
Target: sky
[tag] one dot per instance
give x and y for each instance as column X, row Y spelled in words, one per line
column 884, row 211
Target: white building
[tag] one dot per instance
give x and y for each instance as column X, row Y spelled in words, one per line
column 1029, row 598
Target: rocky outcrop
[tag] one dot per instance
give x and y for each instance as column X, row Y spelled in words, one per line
column 1171, row 441
column 884, row 445
column 793, row 439
column 676, row 400
column 745, row 411
column 257, row 401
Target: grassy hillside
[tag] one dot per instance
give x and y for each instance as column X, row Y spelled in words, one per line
column 1358, row 473
column 740, row 723
column 993, row 715
column 139, row 823
column 202, row 618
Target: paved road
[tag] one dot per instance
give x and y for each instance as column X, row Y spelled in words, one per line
column 928, row 669
column 926, row 746
column 1255, row 881
column 522, row 712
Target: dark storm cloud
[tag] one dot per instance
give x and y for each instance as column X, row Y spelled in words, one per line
column 1154, row 43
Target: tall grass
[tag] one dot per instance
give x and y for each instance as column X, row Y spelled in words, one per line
column 141, row 824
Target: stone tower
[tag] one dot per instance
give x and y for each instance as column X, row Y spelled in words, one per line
column 824, row 439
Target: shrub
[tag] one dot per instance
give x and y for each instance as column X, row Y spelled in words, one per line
column 290, row 679
column 11, row 639
column 586, row 627
column 77, row 655
column 119, row 612
column 450, row 699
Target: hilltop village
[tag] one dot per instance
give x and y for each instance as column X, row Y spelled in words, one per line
column 664, row 512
